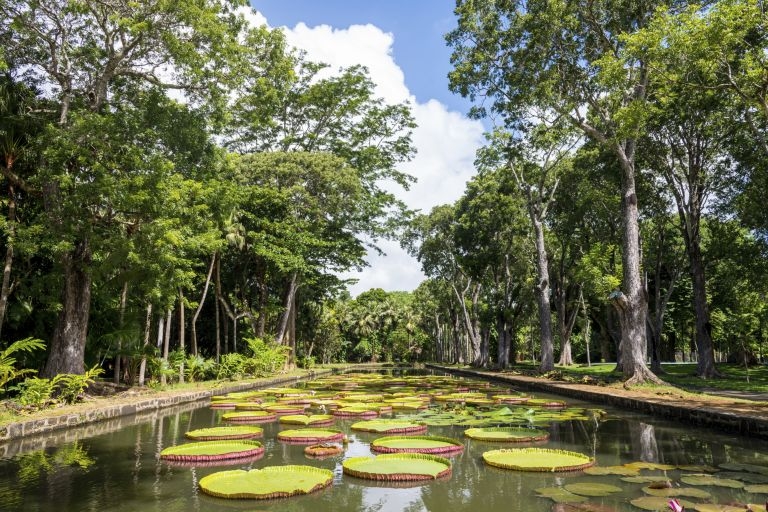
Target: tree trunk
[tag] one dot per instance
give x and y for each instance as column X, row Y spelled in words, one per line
column 182, row 332
column 67, row 350
column 121, row 323
column 706, row 366
column 200, row 308
column 542, row 297
column 502, row 354
column 631, row 304
column 5, row 289
column 218, row 330
column 147, row 328
column 289, row 301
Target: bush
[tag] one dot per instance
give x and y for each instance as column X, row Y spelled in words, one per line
column 35, row 392
column 307, row 362
column 198, row 368
column 70, row 387
column 231, row 367
column 266, row 358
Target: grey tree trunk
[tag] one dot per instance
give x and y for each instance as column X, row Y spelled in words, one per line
column 5, row 289
column 67, row 349
column 542, row 298
column 147, row 328
column 182, row 331
column 290, row 296
column 200, row 308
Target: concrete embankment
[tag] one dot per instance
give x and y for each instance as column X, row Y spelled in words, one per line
column 733, row 416
column 99, row 419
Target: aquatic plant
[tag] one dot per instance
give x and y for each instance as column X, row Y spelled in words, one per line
column 267, row 483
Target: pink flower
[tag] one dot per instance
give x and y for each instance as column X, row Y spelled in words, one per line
column 675, row 506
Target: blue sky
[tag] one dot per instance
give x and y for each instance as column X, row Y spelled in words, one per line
column 418, row 26
column 402, row 44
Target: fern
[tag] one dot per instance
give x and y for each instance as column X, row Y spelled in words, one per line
column 8, row 370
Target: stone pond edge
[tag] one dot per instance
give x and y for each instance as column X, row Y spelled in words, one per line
column 53, row 423
column 731, row 423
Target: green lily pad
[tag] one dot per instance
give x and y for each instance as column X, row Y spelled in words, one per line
column 678, row 492
column 651, row 466
column 538, row 459
column 592, row 489
column 715, row 507
column 507, row 434
column 751, row 478
column 249, row 416
column 546, row 402
column 303, row 419
column 743, row 466
column 211, row 451
column 612, row 470
column 359, row 411
column 310, row 435
column 270, row 482
column 706, row 479
column 757, row 489
column 644, row 479
column 224, row 433
column 384, row 426
column 559, row 495
column 416, row 444
column 398, row 467
column 657, row 503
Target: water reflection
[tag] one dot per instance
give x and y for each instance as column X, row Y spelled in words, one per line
column 115, row 466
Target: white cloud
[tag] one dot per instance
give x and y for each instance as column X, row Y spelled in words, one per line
column 445, row 141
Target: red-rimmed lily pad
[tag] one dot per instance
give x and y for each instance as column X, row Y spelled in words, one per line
column 538, row 459
column 398, row 467
column 417, row 444
column 224, row 433
column 656, row 503
column 249, row 416
column 303, row 419
column 356, row 412
column 547, row 402
column 323, row 450
column 507, row 434
column 267, row 483
column 310, row 435
column 390, row 426
column 212, row 451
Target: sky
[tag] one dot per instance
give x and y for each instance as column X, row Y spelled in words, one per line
column 402, row 44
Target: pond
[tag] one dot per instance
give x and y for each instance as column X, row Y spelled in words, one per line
column 119, row 469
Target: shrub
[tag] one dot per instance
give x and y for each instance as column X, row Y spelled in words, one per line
column 8, row 370
column 70, row 387
column 231, row 366
column 35, row 392
column 266, row 358
column 198, row 368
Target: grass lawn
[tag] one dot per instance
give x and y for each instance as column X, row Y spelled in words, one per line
column 683, row 375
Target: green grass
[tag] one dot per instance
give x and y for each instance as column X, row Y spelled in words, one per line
column 683, row 375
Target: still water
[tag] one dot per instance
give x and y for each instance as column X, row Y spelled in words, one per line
column 114, row 466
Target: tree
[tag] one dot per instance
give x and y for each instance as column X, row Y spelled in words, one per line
column 560, row 59
column 91, row 59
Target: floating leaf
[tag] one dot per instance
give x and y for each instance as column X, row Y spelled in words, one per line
column 267, row 483
column 677, row 492
column 644, row 479
column 323, row 450
column 559, row 495
column 650, row 465
column 657, row 503
column 398, row 467
column 507, row 434
column 223, row 433
column 211, row 451
column 752, row 478
column 538, row 459
column 739, row 466
column 757, row 489
column 611, row 470
column 249, row 416
column 592, row 489
column 389, row 426
column 303, row 419
column 310, row 435
column 704, row 479
column 714, row 507
column 416, row 444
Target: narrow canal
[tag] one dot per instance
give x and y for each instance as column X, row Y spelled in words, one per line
column 116, row 466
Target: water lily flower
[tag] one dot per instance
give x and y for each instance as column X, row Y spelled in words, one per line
column 675, row 506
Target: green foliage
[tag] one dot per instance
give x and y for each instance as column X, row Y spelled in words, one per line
column 8, row 369
column 265, row 358
column 70, row 387
column 231, row 366
column 35, row 392
column 197, row 368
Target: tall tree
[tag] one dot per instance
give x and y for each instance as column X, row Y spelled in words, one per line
column 562, row 58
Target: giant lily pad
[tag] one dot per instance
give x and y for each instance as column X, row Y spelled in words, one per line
column 743, row 466
column 656, row 503
column 390, row 426
column 706, row 479
column 323, row 450
column 249, row 416
column 416, row 444
column 398, row 467
column 356, row 411
column 267, row 483
column 678, row 492
column 757, row 489
column 716, row 507
column 310, row 435
column 211, row 451
column 559, row 495
column 650, row 465
column 303, row 419
column 538, row 459
column 612, row 470
column 592, row 489
column 224, row 433
column 507, row 434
